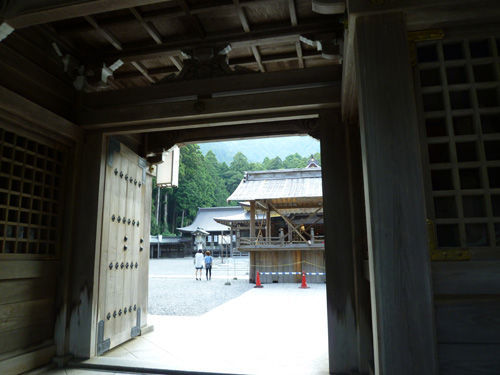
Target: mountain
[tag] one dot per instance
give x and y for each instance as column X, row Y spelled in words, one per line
column 257, row 149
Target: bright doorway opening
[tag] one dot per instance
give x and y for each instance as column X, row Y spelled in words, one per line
column 225, row 324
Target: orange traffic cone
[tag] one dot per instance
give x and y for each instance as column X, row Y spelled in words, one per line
column 258, row 284
column 304, row 284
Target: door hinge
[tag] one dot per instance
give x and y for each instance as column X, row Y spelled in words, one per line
column 102, row 345
column 136, row 331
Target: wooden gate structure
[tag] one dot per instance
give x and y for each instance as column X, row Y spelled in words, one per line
column 403, row 96
column 123, row 278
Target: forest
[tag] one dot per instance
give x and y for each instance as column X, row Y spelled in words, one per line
column 206, row 182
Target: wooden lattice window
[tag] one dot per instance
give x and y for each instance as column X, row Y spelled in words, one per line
column 458, row 86
column 31, row 190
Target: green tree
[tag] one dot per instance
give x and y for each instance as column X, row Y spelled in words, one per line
column 204, row 182
column 295, row 161
column 272, row 164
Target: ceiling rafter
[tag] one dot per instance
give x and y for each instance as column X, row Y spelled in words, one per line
column 104, row 33
column 116, row 43
column 294, row 21
column 246, row 28
column 163, row 14
column 265, row 35
column 31, row 13
column 148, row 26
column 154, row 33
column 240, row 61
column 193, row 19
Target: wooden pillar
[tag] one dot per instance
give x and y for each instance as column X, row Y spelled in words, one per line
column 342, row 325
column 86, row 260
column 268, row 224
column 359, row 249
column 252, row 274
column 231, row 240
column 238, row 234
column 400, row 278
column 252, row 219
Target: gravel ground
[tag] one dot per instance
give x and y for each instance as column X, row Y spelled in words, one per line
column 173, row 289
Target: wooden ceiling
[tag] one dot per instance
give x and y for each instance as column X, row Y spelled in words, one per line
column 150, row 39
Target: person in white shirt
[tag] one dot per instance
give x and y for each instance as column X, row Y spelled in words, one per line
column 198, row 264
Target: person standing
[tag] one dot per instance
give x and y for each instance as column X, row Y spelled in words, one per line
column 198, row 264
column 208, row 265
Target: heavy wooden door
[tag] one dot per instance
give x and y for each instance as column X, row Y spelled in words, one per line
column 124, row 248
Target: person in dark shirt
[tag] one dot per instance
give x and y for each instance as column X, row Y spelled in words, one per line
column 208, row 265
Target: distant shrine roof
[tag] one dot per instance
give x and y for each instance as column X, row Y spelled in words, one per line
column 295, row 184
column 205, row 219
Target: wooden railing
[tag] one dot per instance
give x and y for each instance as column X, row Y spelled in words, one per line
column 279, row 241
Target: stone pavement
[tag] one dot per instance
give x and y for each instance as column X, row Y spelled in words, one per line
column 279, row 329
column 173, row 289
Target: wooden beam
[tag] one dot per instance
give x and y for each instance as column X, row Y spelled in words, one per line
column 215, row 108
column 239, row 61
column 142, row 69
column 36, row 12
column 194, row 20
column 28, row 361
column 284, row 217
column 342, row 319
column 86, row 259
column 294, row 22
column 105, row 34
column 349, row 77
column 466, row 278
column 176, row 62
column 149, row 27
column 164, row 140
column 246, row 28
column 359, row 249
column 232, row 84
column 37, row 118
column 221, row 7
column 155, row 34
column 237, row 119
column 399, row 262
column 259, row 36
column 435, row 10
column 115, row 43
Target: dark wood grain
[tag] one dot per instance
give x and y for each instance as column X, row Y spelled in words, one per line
column 399, row 262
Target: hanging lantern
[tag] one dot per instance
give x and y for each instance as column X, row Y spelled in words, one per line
column 167, row 172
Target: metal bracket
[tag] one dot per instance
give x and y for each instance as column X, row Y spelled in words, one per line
column 102, row 345
column 5, row 30
column 142, row 163
column 113, row 146
column 136, row 331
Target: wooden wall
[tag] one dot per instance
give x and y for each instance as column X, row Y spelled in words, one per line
column 27, row 313
column 288, row 261
column 32, row 186
column 452, row 79
column 467, row 308
column 30, row 68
